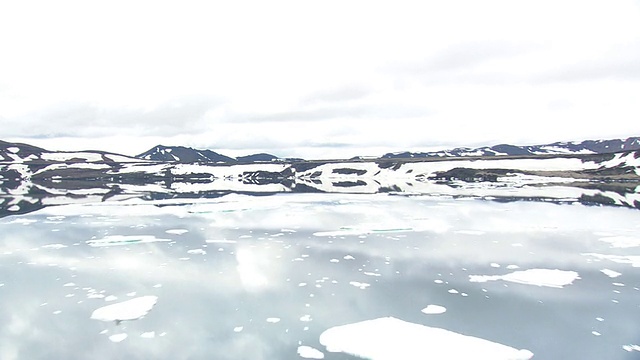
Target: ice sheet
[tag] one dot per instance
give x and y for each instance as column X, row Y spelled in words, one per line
column 391, row 339
column 540, row 277
column 127, row 310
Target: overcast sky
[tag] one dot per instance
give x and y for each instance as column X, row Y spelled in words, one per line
column 317, row 79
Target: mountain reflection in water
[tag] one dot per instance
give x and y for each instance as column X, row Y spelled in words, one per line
column 263, row 277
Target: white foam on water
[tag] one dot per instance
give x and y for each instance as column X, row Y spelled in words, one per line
column 610, row 273
column 127, row 310
column 540, row 277
column 116, row 338
column 391, row 339
column 434, row 309
column 308, row 352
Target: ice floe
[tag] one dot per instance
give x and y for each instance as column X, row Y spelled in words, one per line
column 177, row 231
column 148, row 335
column 622, row 241
column 309, row 352
column 119, row 240
column 273, row 320
column 610, row 273
column 118, row 337
column 540, row 277
column 127, row 310
column 434, row 309
column 631, row 347
column 390, row 339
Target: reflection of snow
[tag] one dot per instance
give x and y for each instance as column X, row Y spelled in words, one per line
column 127, row 310
column 541, row 277
column 391, row 338
column 308, row 352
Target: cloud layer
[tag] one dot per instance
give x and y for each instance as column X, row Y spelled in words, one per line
column 312, row 79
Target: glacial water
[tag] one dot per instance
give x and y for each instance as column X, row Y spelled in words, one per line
column 293, row 276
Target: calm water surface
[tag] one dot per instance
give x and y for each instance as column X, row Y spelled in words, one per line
column 244, row 277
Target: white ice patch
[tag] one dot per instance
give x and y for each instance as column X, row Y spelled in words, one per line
column 622, row 241
column 610, row 273
column 118, row 337
column 359, row 284
column 633, row 260
column 127, row 310
column 308, row 352
column 631, row 348
column 541, row 277
column 273, row 320
column 119, row 240
column 177, row 231
column 54, row 246
column 148, row 335
column 391, row 339
column 434, row 309
column 197, row 252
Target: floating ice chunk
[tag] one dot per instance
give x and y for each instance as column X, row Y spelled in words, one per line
column 631, row 348
column 117, row 240
column 148, row 335
column 127, row 310
column 595, row 333
column 470, row 232
column 359, row 284
column 177, row 231
column 541, row 277
column 610, row 273
column 305, row 318
column 197, row 252
column 69, row 284
column 334, row 260
column 349, row 257
column 116, row 338
column 495, row 265
column 390, row 339
column 53, row 246
column 369, row 273
column 308, row 352
column 238, row 328
column 95, row 296
column 57, row 312
column 633, row 260
column 452, row 291
column 513, row 267
column 111, row 298
column 622, row 241
column 273, row 320
column 434, row 309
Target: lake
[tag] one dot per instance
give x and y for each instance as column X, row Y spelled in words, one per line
column 313, row 275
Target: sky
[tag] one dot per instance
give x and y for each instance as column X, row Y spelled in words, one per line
column 317, row 79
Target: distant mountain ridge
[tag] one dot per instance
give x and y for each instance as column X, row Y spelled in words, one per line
column 557, row 148
column 190, row 155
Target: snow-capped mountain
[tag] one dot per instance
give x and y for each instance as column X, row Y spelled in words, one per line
column 557, row 148
column 29, row 154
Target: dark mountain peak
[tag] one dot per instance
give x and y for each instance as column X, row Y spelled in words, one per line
column 183, row 154
column 260, row 157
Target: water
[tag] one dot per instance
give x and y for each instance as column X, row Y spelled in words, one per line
column 255, row 277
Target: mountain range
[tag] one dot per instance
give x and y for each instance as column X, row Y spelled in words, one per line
column 17, row 152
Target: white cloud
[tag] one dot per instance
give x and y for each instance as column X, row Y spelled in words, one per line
column 287, row 76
